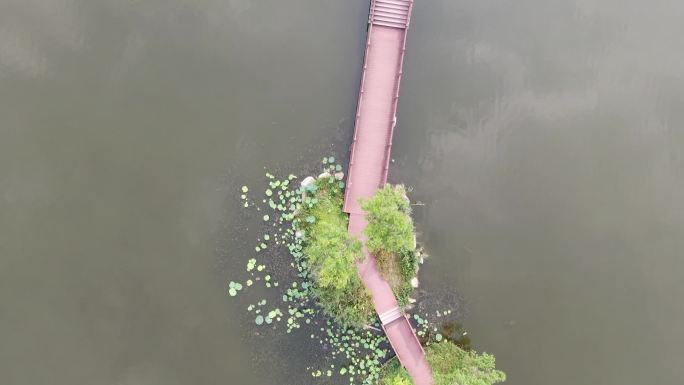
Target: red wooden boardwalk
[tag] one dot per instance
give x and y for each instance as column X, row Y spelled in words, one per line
column 368, row 165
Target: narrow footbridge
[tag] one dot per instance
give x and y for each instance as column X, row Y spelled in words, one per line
column 369, row 163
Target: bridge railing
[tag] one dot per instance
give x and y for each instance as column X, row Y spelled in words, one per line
column 395, row 102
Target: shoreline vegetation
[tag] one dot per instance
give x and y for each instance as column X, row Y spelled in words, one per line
column 450, row 365
column 331, row 253
column 326, row 295
column 392, row 240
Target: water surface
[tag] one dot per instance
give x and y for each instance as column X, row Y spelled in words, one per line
column 544, row 138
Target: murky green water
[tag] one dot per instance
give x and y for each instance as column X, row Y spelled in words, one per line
column 544, row 137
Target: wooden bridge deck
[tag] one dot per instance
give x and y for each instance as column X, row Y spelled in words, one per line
column 369, row 163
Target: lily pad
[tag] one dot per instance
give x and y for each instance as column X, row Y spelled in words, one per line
column 259, row 320
column 245, row 189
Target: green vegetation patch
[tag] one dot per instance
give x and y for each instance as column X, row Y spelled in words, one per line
column 391, row 238
column 307, row 222
column 332, row 253
column 450, row 365
column 318, row 282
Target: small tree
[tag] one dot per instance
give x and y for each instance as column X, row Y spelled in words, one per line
column 390, row 228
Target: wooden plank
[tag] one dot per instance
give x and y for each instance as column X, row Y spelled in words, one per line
column 369, row 163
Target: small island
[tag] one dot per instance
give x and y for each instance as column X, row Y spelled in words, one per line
column 306, row 221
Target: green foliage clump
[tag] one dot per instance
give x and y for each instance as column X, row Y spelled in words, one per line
column 391, row 238
column 450, row 365
column 331, row 254
column 396, row 377
column 390, row 227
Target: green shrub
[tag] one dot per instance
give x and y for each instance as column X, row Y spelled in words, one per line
column 331, row 254
column 391, row 238
column 450, row 365
column 351, row 306
column 390, row 227
column 394, row 374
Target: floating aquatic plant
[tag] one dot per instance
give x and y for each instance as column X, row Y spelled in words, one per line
column 234, row 288
column 297, row 223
